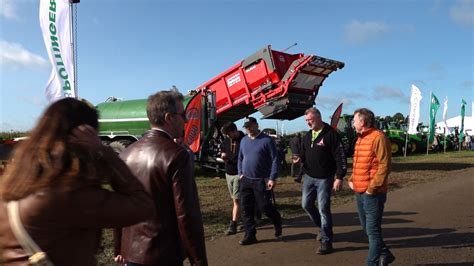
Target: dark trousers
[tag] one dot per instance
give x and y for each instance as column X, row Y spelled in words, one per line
column 253, row 193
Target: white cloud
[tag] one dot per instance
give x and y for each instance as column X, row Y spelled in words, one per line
column 358, row 32
column 463, row 12
column 330, row 103
column 385, row 92
column 8, row 10
column 14, row 55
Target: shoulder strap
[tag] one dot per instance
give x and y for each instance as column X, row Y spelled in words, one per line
column 36, row 256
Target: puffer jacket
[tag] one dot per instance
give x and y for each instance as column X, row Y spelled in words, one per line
column 166, row 170
column 66, row 223
column 371, row 162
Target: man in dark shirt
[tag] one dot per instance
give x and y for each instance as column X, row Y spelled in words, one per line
column 323, row 159
column 229, row 153
column 257, row 161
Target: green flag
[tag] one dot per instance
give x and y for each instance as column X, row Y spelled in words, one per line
column 433, row 109
column 463, row 110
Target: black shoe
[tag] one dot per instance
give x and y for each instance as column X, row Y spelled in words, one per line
column 386, row 259
column 325, row 248
column 248, row 240
column 278, row 230
column 232, row 229
column 298, row 179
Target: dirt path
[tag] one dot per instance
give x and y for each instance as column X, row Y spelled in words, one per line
column 430, row 223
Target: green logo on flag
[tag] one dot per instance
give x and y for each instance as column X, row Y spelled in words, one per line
column 463, row 110
column 433, row 109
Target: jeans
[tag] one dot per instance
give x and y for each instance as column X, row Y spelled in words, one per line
column 253, row 192
column 320, row 189
column 370, row 209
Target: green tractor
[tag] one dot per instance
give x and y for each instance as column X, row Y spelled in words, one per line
column 395, row 134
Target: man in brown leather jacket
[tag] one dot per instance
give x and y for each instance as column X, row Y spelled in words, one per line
column 166, row 170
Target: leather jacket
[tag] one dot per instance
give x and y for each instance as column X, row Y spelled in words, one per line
column 166, row 170
column 66, row 223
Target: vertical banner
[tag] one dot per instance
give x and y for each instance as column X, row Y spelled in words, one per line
column 445, row 114
column 463, row 110
column 192, row 129
column 55, row 22
column 433, row 109
column 335, row 116
column 414, row 118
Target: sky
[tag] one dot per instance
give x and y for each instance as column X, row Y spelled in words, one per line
column 132, row 48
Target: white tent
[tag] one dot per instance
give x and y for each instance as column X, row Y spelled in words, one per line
column 455, row 122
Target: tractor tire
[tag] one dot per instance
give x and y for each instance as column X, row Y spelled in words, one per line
column 120, row 145
column 397, row 147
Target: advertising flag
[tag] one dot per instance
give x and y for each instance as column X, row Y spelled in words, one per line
column 445, row 113
column 414, row 109
column 433, row 109
column 463, row 110
column 192, row 129
column 54, row 17
column 335, row 116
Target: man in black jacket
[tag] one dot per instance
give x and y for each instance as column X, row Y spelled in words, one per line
column 229, row 153
column 323, row 159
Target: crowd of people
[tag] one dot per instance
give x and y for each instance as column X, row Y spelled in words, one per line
column 63, row 186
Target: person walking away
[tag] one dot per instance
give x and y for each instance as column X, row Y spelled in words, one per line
column 371, row 168
column 324, row 167
column 296, row 148
column 166, row 171
column 467, row 141
column 229, row 153
column 257, row 161
column 56, row 178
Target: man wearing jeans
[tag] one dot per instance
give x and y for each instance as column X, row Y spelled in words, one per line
column 324, row 166
column 371, row 167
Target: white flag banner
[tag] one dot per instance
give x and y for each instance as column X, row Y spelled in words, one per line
column 445, row 113
column 54, row 17
column 414, row 109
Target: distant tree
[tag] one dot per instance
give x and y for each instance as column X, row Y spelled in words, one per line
column 398, row 117
column 388, row 119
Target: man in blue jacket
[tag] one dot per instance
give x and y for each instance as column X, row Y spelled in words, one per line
column 257, row 161
column 324, row 166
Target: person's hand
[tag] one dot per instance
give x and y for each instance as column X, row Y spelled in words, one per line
column 224, row 155
column 351, row 185
column 368, row 193
column 271, row 184
column 119, row 259
column 86, row 136
column 337, row 186
column 296, row 159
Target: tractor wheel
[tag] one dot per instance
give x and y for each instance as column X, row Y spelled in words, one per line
column 397, row 148
column 120, row 145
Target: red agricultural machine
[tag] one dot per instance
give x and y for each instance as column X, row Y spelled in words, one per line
column 278, row 84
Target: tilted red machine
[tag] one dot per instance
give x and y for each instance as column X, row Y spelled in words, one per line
column 278, row 84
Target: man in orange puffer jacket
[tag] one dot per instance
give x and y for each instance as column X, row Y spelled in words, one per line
column 371, row 167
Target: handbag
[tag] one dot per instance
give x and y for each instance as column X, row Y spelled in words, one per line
column 36, row 256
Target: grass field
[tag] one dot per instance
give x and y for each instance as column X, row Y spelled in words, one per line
column 216, row 204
